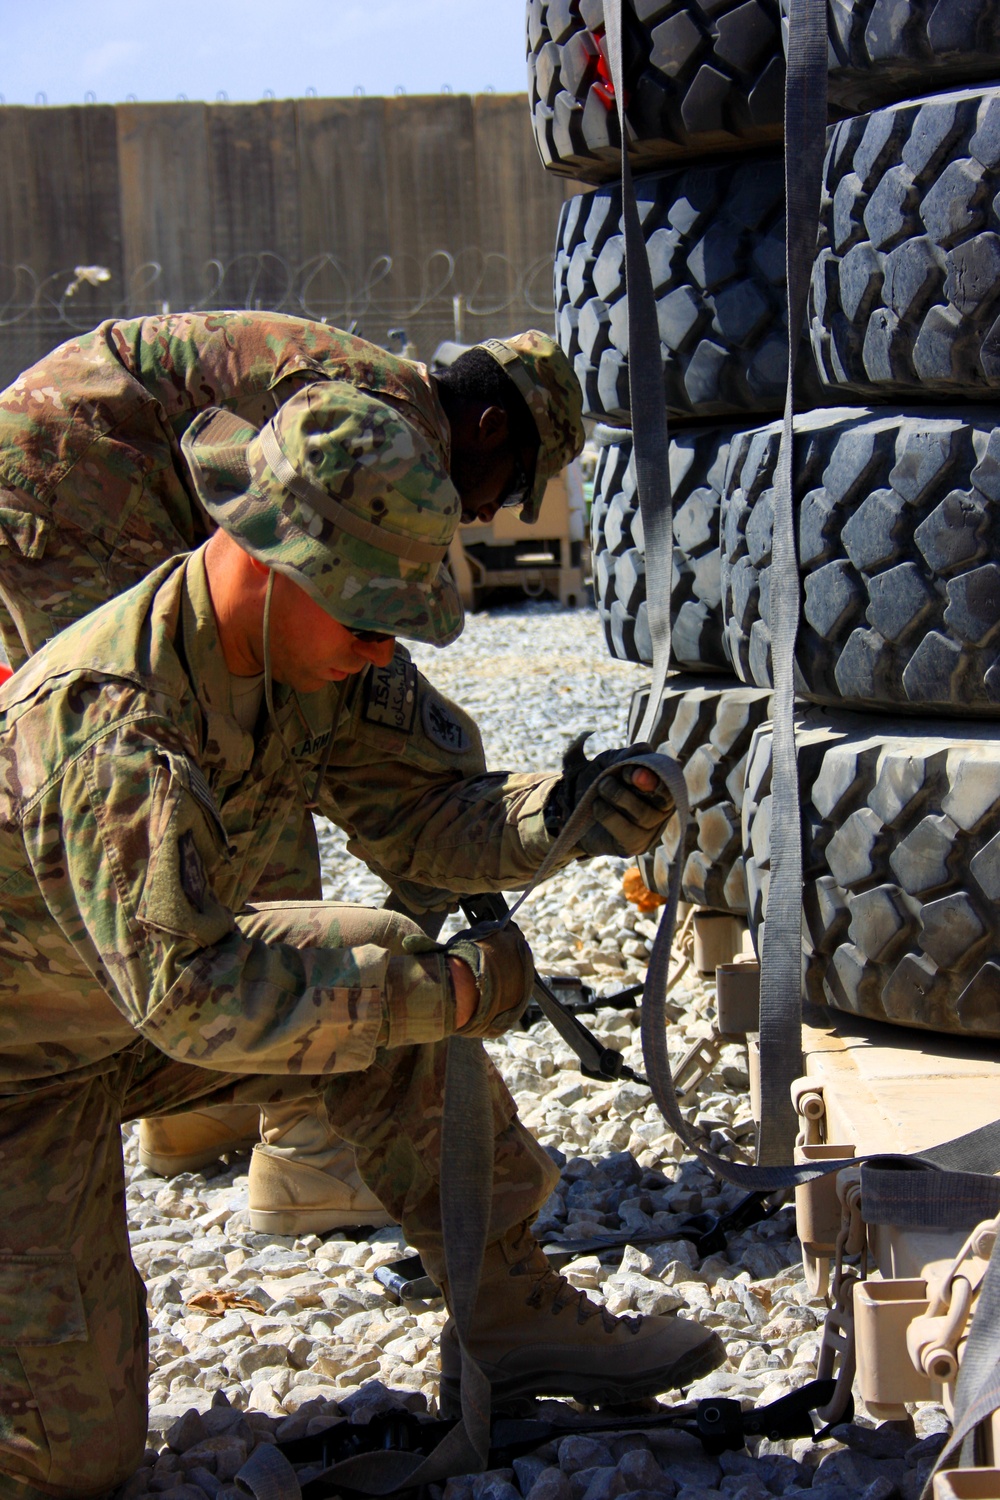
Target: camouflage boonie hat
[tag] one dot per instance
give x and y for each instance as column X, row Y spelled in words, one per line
column 346, row 498
column 551, row 391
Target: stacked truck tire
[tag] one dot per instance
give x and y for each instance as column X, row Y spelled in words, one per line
column 896, row 463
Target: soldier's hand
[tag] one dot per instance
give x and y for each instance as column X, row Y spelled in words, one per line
column 466, row 991
column 629, row 811
column 502, row 971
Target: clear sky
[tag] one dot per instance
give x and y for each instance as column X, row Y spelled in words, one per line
column 66, row 49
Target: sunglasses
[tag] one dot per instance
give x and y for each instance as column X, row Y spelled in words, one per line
column 372, row 637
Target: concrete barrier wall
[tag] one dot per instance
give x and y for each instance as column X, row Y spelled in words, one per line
column 380, row 212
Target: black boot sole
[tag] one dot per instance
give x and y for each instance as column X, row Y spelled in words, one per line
column 592, row 1389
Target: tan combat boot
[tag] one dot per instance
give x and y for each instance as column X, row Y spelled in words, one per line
column 535, row 1335
column 185, row 1143
column 303, row 1178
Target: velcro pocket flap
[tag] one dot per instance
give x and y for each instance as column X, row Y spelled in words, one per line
column 40, row 1301
column 25, row 532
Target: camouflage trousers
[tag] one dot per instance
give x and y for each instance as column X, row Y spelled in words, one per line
column 73, row 1330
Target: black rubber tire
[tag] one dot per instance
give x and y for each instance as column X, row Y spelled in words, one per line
column 884, row 49
column 901, row 862
column 906, row 284
column 716, row 242
column 698, row 78
column 898, row 528
column 707, row 726
column 698, row 465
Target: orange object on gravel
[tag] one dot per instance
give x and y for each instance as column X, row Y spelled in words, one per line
column 637, row 891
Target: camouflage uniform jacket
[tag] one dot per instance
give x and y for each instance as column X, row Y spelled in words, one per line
column 136, row 816
column 93, row 485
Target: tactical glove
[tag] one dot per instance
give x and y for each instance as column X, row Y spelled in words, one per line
column 504, row 971
column 626, row 821
column 505, row 974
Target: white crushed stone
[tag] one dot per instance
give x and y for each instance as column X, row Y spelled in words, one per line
column 326, row 1342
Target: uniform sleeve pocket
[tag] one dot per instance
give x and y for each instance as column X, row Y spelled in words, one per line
column 40, row 1301
column 187, row 845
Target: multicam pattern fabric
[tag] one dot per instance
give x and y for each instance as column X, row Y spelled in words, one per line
column 73, row 1343
column 136, row 817
column 347, row 498
column 93, row 492
column 553, row 396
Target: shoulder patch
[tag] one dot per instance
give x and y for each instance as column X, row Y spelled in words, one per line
column 390, row 695
column 441, row 727
column 194, row 882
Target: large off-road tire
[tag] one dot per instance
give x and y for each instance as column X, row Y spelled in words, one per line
column 905, row 297
column 698, row 78
column 707, row 727
column 901, row 860
column 888, row 49
column 697, row 470
column 898, row 528
column 715, row 236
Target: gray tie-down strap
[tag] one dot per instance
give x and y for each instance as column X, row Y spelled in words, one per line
column 805, row 131
column 913, row 1192
column 647, row 403
column 466, row 1200
column 781, row 948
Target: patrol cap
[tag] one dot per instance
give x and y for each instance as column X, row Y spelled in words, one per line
column 346, row 498
column 544, row 377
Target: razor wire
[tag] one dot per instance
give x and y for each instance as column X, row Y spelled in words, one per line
column 445, row 287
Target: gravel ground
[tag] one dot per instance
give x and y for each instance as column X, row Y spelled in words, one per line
column 298, row 1333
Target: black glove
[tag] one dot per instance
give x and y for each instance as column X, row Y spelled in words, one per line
column 626, row 821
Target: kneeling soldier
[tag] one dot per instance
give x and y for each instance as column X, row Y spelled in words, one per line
column 95, row 493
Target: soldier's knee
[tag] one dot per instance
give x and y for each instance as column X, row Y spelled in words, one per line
column 34, row 1471
column 62, row 1433
column 397, row 927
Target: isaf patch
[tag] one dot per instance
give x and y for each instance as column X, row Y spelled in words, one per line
column 390, row 695
column 441, row 727
column 194, row 882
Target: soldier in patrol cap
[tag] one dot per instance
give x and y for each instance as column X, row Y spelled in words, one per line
column 94, row 494
column 138, row 976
